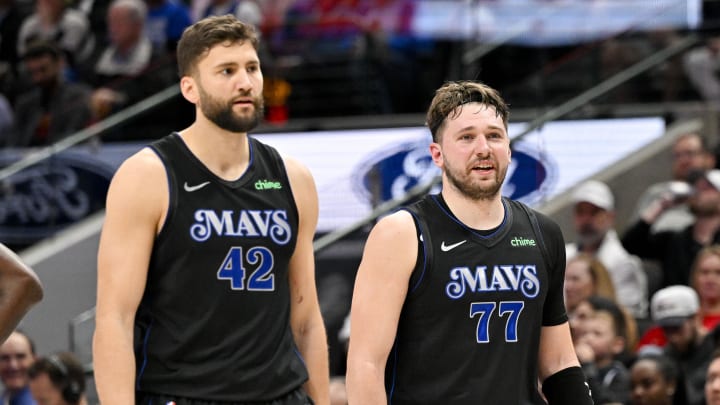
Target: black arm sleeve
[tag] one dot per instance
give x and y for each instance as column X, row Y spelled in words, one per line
column 567, row 387
column 636, row 240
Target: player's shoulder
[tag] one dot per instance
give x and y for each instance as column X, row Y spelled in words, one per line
column 144, row 167
column 143, row 160
column 399, row 224
column 545, row 223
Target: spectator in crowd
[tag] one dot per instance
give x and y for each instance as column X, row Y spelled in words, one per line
column 58, row 379
column 53, row 108
column 689, row 344
column 585, row 276
column 11, row 17
column 654, row 380
column 676, row 250
column 602, row 351
column 17, row 354
column 56, row 21
column 701, row 66
column 166, row 21
column 690, row 156
column 7, row 117
column 712, row 380
column 248, row 11
column 130, row 69
column 705, row 279
column 594, row 219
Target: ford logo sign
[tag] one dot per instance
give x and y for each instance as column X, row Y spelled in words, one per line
column 44, row 198
column 392, row 173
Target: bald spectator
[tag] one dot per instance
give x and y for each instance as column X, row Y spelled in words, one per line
column 594, row 220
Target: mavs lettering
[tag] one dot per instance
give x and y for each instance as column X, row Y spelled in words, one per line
column 518, row 277
column 243, row 223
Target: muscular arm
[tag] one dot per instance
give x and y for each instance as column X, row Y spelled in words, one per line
column 135, row 206
column 20, row 289
column 305, row 318
column 380, row 290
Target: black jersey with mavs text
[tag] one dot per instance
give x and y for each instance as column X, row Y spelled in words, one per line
column 213, row 323
column 470, row 327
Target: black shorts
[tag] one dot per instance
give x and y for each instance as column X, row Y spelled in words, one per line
column 297, row 397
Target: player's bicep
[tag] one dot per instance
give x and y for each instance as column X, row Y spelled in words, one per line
column 381, row 286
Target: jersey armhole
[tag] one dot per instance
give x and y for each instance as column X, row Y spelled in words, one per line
column 423, row 262
column 538, row 233
column 172, row 189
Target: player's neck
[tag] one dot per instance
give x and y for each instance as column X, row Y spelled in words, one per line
column 476, row 214
column 224, row 153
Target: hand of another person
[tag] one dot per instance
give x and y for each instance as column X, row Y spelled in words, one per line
column 584, row 352
column 103, row 100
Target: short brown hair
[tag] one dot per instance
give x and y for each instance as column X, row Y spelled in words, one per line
column 198, row 38
column 455, row 94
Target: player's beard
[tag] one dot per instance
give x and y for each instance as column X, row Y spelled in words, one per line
column 222, row 113
column 472, row 188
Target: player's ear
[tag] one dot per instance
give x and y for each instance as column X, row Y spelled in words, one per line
column 436, row 154
column 189, row 90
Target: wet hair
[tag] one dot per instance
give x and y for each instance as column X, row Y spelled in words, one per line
column 199, row 38
column 453, row 95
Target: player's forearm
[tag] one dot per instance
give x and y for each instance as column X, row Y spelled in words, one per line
column 114, row 362
column 312, row 343
column 365, row 384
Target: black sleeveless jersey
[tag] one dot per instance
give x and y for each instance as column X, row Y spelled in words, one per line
column 213, row 323
column 470, row 326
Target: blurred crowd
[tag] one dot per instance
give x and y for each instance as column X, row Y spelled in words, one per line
column 65, row 64
column 643, row 302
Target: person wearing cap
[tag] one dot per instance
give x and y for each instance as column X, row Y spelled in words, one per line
column 594, row 219
column 689, row 344
column 675, row 250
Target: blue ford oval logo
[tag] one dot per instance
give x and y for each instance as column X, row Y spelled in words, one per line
column 44, row 198
column 392, row 173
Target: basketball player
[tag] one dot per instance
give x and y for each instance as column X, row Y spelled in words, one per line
column 20, row 290
column 458, row 298
column 205, row 261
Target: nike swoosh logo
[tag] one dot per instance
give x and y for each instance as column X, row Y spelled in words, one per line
column 190, row 189
column 447, row 248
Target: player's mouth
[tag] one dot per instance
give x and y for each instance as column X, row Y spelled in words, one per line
column 483, row 167
column 244, row 101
